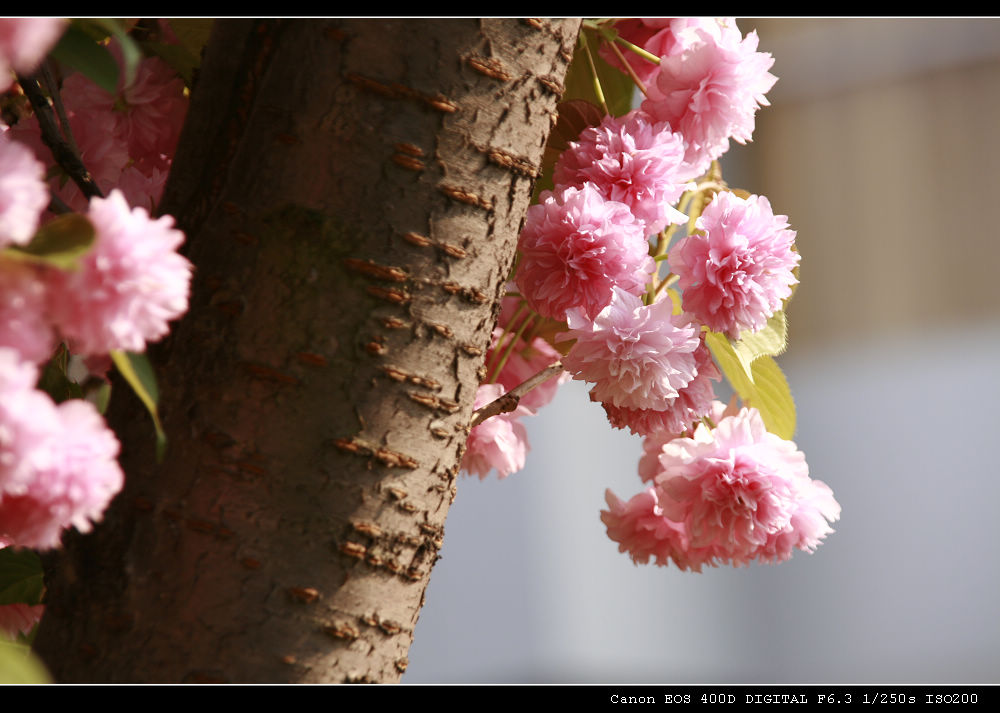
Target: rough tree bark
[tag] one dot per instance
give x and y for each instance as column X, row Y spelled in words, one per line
column 351, row 191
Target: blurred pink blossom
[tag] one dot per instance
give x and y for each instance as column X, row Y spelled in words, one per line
column 23, row 193
column 575, row 247
column 735, row 272
column 24, row 42
column 19, row 619
column 637, row 356
column 57, row 463
column 630, row 160
column 128, row 287
column 709, row 93
column 134, row 131
column 24, row 320
column 499, row 442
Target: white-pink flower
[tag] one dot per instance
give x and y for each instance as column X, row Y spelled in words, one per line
column 499, row 442
column 24, row 42
column 653, row 442
column 637, row 356
column 631, row 160
column 57, row 463
column 736, row 271
column 710, row 94
column 24, row 320
column 128, row 287
column 693, row 401
column 742, row 492
column 575, row 247
column 23, row 193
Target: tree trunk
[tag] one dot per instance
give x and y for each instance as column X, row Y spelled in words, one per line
column 351, row 191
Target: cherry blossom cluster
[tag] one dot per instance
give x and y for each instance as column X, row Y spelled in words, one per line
column 58, row 461
column 722, row 488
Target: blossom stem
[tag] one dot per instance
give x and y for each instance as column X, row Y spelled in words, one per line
column 628, row 69
column 509, row 349
column 510, row 400
column 506, row 330
column 53, row 87
column 593, row 70
column 64, row 155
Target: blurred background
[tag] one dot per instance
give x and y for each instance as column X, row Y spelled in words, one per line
column 882, row 147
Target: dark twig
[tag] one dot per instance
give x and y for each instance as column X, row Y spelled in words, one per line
column 51, row 137
column 53, row 87
column 509, row 401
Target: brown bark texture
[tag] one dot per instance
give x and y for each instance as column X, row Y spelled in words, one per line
column 351, row 191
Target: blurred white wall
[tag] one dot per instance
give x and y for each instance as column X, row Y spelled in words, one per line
column 881, row 147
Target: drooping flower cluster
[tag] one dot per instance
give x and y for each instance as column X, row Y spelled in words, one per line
column 727, row 495
column 63, row 293
column 721, row 487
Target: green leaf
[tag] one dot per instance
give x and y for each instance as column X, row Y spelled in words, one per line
column 19, row 665
column 20, row 577
column 59, row 243
column 772, row 340
column 78, row 50
column 762, row 386
column 138, row 372
column 193, row 34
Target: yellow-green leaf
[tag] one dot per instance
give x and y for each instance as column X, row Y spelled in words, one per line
column 761, row 385
column 138, row 372
column 771, row 340
column 59, row 243
column 19, row 665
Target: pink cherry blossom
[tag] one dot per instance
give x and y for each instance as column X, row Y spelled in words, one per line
column 637, row 356
column 128, row 287
column 735, row 272
column 630, row 160
column 57, row 462
column 742, row 492
column 575, row 247
column 710, row 93
column 24, row 321
column 693, row 401
column 19, row 618
column 119, row 135
column 499, row 442
column 24, row 42
column 23, row 193
column 664, row 37
column 652, row 444
column 74, row 480
column 641, row 529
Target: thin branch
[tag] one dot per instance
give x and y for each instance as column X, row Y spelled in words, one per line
column 510, row 400
column 51, row 137
column 53, row 87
